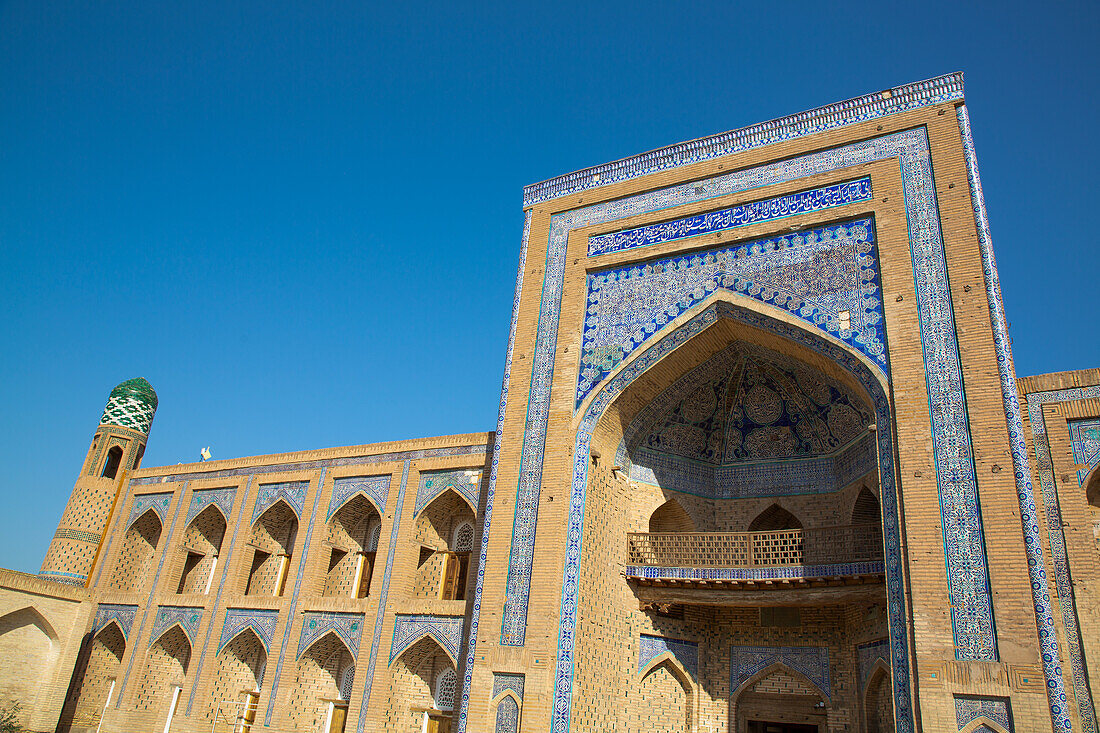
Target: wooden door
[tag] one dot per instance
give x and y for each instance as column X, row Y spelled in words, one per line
column 338, row 719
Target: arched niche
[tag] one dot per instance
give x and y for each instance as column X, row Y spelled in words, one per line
column 202, row 543
column 778, row 694
column 663, row 697
column 239, row 672
column 415, row 677
column 324, row 673
column 135, row 558
column 445, row 532
column 94, row 677
column 29, row 650
column 352, row 540
column 272, row 542
column 773, row 519
column 671, row 517
column 165, row 667
column 878, row 703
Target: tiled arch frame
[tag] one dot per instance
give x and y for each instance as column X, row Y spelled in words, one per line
column 770, row 320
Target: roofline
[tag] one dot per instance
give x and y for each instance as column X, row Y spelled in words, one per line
column 868, row 107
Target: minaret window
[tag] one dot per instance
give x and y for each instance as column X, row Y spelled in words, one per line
column 114, row 458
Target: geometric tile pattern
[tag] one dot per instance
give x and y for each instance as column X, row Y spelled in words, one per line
column 968, row 709
column 188, row 619
column 261, row 621
column 293, row 492
column 132, row 404
column 433, row 483
column 221, row 498
column 685, row 652
column 779, row 207
column 811, row 661
column 507, row 716
column 348, row 626
column 374, row 488
column 1085, row 440
column 826, row 276
column 650, row 572
column 503, row 681
column 157, row 502
column 1033, row 546
column 106, row 613
column 411, row 628
column 870, row 653
column 494, row 457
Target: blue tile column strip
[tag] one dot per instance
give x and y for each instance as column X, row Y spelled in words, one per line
column 224, row 557
column 297, row 586
column 395, row 528
column 1044, row 618
column 162, row 550
column 475, row 615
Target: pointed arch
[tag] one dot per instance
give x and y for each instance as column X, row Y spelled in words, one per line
column 462, row 538
column 351, row 554
column 28, row 615
column 175, row 625
column 445, row 689
column 507, row 709
column 749, row 682
column 135, row 557
column 101, row 632
column 452, row 492
column 202, row 542
column 774, row 519
column 649, row 676
column 240, row 665
column 415, row 671
column 865, row 509
column 443, row 569
column 29, row 650
column 878, row 707
column 322, row 638
column 428, row 635
column 320, row 676
column 671, row 517
column 983, row 724
column 273, row 538
column 166, row 665
column 94, row 674
column 143, row 515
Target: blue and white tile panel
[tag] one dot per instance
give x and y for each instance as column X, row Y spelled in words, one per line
column 506, row 681
column 187, row 618
column 869, row 654
column 1033, row 546
column 105, row 613
column 969, row 709
column 466, row 483
column 159, row 503
column 374, row 488
column 686, row 652
column 221, row 498
column 315, row 624
column 780, row 207
column 411, row 628
column 811, row 661
column 292, row 492
column 1084, row 437
column 792, row 572
column 261, row 621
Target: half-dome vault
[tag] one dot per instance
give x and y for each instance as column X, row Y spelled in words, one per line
column 749, row 422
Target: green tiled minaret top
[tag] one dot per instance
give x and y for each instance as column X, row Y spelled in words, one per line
column 132, row 404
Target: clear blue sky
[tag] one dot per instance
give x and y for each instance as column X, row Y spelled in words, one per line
column 301, row 221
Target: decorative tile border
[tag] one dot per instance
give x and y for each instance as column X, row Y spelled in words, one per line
column 869, row 653
column 969, row 709
column 187, row 618
column 467, row 483
column 261, row 620
column 506, row 681
column 122, row 615
column 843, row 357
column 159, row 503
column 811, row 661
column 686, row 652
column 374, row 488
column 221, row 498
column 826, row 276
column 380, row 618
column 315, row 624
column 792, row 572
column 411, row 628
column 779, row 207
column 1084, row 436
column 1036, row 564
column 475, row 614
column 292, row 492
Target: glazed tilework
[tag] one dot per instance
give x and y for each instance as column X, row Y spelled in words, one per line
column 221, row 498
column 374, row 488
column 315, row 624
column 651, row 572
column 504, row 681
column 869, row 653
column 1085, row 441
column 811, row 661
column 685, row 652
column 261, row 621
column 868, row 107
column 779, row 207
column 969, row 709
column 188, row 619
column 507, row 720
column 845, row 359
column 433, row 483
column 380, row 618
column 159, row 503
column 471, row 641
column 293, row 492
column 1044, row 617
column 817, row 275
column 105, row 613
column 60, row 577
column 411, row 628
column 957, row 487
column 132, row 405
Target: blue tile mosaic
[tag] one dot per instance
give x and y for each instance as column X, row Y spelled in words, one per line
column 374, row 488
column 262, row 621
column 465, row 483
column 105, row 613
column 507, row 720
column 159, row 503
column 221, row 498
column 188, row 619
column 652, row 572
column 505, row 681
column 1044, row 616
column 779, row 207
column 810, row 661
column 315, row 624
column 969, row 709
column 685, row 652
column 1084, row 436
column 869, row 654
column 411, row 628
column 292, row 492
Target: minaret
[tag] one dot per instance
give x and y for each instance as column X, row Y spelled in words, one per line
column 117, row 448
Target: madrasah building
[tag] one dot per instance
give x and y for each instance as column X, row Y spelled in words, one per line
column 762, row 464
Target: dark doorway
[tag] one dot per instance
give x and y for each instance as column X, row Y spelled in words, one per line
column 760, row 726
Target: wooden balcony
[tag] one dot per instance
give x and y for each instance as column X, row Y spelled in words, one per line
column 838, row 562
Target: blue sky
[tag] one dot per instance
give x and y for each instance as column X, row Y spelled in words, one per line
column 301, row 221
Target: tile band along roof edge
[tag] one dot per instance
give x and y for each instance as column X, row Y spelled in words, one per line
column 868, row 107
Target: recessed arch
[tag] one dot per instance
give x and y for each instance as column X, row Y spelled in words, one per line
column 671, row 517
column 320, row 675
column 29, row 650
column 202, row 542
column 771, row 669
column 424, row 637
column 865, row 509
column 773, row 519
column 449, row 491
column 240, row 668
column 94, row 675
column 506, row 710
column 351, row 535
column 443, row 568
column 166, row 665
column 28, row 615
column 878, row 708
column 983, row 725
column 414, row 676
column 663, row 678
column 135, row 558
column 273, row 537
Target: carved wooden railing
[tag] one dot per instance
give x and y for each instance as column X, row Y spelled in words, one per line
column 819, row 545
